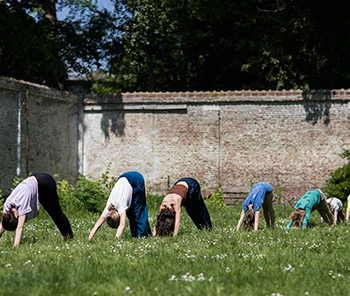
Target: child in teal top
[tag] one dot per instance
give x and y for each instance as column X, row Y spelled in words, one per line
column 311, row 201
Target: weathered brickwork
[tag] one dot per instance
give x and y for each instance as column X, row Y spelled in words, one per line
column 290, row 138
column 38, row 129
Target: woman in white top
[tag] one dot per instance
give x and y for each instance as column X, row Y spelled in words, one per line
column 128, row 198
column 336, row 206
column 23, row 205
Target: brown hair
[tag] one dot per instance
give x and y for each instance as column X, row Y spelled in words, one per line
column 9, row 220
column 113, row 218
column 249, row 220
column 297, row 217
column 165, row 222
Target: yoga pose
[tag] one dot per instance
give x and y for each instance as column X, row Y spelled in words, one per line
column 186, row 192
column 261, row 195
column 336, row 207
column 312, row 200
column 128, row 198
column 23, row 205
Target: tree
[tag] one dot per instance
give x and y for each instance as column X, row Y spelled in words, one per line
column 36, row 47
column 225, row 45
column 29, row 49
column 338, row 185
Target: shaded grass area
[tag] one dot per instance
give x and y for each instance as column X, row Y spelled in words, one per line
column 315, row 261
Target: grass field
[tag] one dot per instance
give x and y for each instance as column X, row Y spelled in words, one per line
column 315, row 261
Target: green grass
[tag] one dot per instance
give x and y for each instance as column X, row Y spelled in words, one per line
column 315, row 261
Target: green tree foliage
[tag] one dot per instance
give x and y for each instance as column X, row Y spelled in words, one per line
column 29, row 49
column 179, row 45
column 36, row 47
column 338, row 185
column 225, row 45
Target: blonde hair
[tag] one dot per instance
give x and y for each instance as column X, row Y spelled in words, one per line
column 113, row 218
column 298, row 217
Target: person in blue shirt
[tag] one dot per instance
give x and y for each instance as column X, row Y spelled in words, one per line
column 260, row 196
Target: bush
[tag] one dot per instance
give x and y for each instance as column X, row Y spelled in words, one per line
column 92, row 194
column 338, row 185
column 216, row 199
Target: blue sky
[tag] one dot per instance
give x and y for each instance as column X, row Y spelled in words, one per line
column 108, row 4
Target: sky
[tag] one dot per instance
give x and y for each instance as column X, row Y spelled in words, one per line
column 108, row 4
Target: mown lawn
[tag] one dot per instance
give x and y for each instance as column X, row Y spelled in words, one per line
column 315, row 261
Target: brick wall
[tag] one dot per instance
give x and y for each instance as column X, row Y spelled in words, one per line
column 291, row 139
column 38, row 131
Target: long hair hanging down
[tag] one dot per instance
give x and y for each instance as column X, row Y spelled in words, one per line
column 9, row 220
column 298, row 217
column 165, row 222
column 249, row 220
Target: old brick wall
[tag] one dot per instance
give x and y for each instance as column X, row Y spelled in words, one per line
column 291, row 139
column 38, row 131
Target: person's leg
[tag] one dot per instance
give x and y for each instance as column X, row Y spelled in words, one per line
column 48, row 198
column 266, row 214
column 269, row 208
column 138, row 212
column 324, row 210
column 195, row 205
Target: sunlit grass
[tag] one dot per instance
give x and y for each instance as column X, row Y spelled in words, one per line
column 314, row 261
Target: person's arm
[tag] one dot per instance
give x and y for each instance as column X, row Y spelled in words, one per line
column 121, row 226
column 335, row 218
column 97, row 226
column 256, row 220
column 1, row 229
column 289, row 226
column 19, row 230
column 177, row 220
column 307, row 217
column 240, row 221
column 347, row 215
column 154, row 229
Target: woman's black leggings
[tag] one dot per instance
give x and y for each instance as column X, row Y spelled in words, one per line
column 48, row 198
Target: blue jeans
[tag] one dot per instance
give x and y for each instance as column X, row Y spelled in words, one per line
column 138, row 212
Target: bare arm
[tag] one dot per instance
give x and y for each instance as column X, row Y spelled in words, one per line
column 97, row 226
column 335, row 218
column 154, row 230
column 1, row 229
column 177, row 220
column 121, row 226
column 19, row 230
column 256, row 220
column 240, row 221
column 347, row 215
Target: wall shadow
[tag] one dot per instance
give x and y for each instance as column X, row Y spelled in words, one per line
column 317, row 106
column 113, row 116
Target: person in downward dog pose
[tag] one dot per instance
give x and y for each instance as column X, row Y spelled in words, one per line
column 186, row 192
column 22, row 205
column 336, row 207
column 260, row 196
column 128, row 198
column 312, row 200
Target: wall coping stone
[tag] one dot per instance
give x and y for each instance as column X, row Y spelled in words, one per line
column 222, row 97
column 37, row 90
